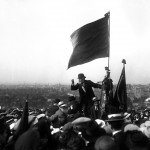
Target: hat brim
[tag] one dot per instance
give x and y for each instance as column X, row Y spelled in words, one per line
column 64, row 105
column 127, row 116
column 81, row 77
column 81, row 120
column 101, row 123
column 112, row 120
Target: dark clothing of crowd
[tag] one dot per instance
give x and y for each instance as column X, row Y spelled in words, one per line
column 80, row 133
column 67, row 128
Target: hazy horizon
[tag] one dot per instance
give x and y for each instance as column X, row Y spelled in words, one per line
column 51, row 84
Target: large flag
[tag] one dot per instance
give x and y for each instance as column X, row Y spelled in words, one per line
column 120, row 97
column 90, row 42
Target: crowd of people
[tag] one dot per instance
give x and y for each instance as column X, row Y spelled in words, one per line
column 66, row 128
column 74, row 125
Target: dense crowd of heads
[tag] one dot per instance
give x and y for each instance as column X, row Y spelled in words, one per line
column 63, row 127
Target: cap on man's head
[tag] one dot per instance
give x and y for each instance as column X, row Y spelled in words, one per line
column 71, row 98
column 81, row 75
column 61, row 104
column 57, row 100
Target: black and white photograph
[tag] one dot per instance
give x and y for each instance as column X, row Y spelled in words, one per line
column 74, row 75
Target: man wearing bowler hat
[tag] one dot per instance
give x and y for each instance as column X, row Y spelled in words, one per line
column 86, row 93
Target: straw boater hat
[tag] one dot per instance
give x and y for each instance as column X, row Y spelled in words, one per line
column 81, row 120
column 131, row 127
column 126, row 115
column 94, row 99
column 61, row 104
column 100, row 122
column 145, row 128
column 115, row 117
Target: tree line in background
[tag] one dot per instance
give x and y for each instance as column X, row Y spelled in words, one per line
column 40, row 96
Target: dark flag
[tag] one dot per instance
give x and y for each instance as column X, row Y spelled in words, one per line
column 90, row 42
column 120, row 97
column 23, row 125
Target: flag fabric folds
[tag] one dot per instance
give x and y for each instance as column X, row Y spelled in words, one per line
column 90, row 42
column 120, row 96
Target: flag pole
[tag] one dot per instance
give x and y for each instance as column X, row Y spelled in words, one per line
column 124, row 62
column 109, row 37
column 108, row 15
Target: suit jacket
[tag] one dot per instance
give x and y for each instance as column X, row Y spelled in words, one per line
column 74, row 107
column 95, row 114
column 55, row 116
column 86, row 92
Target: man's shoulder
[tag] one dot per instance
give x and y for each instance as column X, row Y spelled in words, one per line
column 52, row 109
column 58, row 111
column 88, row 81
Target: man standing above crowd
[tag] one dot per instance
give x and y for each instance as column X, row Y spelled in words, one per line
column 86, row 93
column 108, row 88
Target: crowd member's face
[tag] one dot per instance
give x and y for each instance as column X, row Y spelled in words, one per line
column 81, row 80
column 96, row 103
column 62, row 119
column 64, row 109
column 108, row 125
column 79, row 127
column 128, row 120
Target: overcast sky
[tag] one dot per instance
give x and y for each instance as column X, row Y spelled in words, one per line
column 35, row 44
